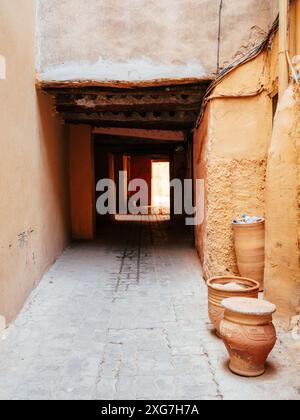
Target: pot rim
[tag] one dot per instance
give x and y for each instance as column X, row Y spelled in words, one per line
column 259, row 222
column 231, row 279
column 248, row 306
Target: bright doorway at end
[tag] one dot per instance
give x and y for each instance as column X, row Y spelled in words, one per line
column 161, row 194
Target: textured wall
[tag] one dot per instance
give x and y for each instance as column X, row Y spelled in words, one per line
column 282, row 276
column 33, row 181
column 251, row 165
column 231, row 149
column 145, row 39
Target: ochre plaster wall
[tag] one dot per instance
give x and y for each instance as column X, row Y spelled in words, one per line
column 34, row 204
column 251, row 164
column 231, row 148
column 282, row 275
column 82, row 182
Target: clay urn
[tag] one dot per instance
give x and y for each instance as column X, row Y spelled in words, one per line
column 248, row 334
column 220, row 288
column 249, row 241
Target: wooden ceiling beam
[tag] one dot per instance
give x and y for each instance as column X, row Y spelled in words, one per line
column 158, row 106
column 145, row 134
column 92, row 100
column 148, row 125
column 184, row 116
column 119, row 84
column 96, row 90
column 127, row 108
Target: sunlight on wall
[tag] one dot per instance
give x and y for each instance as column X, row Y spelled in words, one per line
column 2, row 67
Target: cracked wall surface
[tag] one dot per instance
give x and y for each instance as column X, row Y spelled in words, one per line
column 141, row 39
column 250, row 163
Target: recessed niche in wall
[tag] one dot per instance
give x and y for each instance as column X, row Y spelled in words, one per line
column 2, row 67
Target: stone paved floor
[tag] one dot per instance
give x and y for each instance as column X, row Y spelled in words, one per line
column 126, row 318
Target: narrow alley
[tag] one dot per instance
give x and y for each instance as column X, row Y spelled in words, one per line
column 125, row 317
column 149, row 200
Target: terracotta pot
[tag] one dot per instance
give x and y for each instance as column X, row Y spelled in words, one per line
column 249, row 242
column 249, row 334
column 219, row 289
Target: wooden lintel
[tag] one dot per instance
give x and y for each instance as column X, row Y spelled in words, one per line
column 160, row 104
column 134, row 116
column 53, row 84
column 128, row 108
column 127, row 101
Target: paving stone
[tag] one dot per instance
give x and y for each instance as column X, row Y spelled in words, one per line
column 127, row 319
